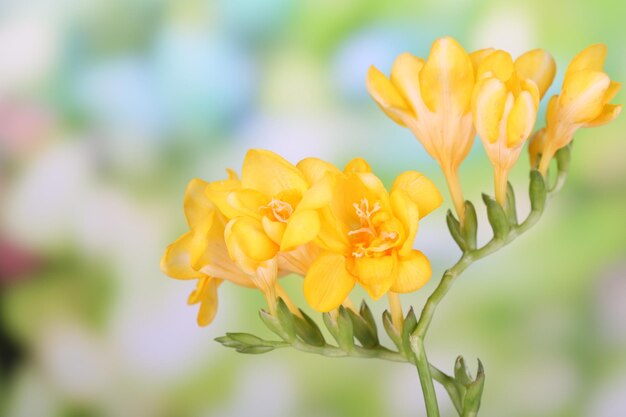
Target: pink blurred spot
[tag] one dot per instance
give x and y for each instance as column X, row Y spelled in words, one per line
column 15, row 262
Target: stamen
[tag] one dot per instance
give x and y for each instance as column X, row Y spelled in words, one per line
column 280, row 209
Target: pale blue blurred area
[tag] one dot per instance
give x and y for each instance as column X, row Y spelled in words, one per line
column 108, row 109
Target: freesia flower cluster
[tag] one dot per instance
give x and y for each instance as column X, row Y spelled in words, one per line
column 337, row 228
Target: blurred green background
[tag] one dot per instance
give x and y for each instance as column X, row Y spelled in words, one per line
column 108, row 109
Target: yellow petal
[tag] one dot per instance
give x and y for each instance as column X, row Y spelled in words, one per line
column 583, row 95
column 407, row 212
column 386, row 95
column 314, row 169
column 499, row 64
column 196, row 204
column 539, row 66
column 405, row 76
column 333, row 234
column 270, row 173
column 274, row 229
column 412, row 273
column 613, row 89
column 420, row 189
column 447, row 78
column 218, row 192
column 247, row 202
column 375, row 274
column 591, row 59
column 247, row 242
column 176, row 261
column 488, row 107
column 531, row 87
column 521, row 120
column 374, row 186
column 327, row 282
column 205, row 294
column 478, row 56
column 609, row 113
column 357, row 165
column 318, row 195
column 302, row 228
column 551, row 110
column 535, row 146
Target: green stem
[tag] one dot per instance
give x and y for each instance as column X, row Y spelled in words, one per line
column 426, row 379
column 462, row 264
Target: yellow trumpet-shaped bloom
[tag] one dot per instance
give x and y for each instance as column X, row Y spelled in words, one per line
column 583, row 102
column 505, row 104
column 271, row 218
column 432, row 98
column 201, row 252
column 367, row 235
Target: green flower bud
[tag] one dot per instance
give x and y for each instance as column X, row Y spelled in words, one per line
column 470, row 226
column 497, row 217
column 537, row 191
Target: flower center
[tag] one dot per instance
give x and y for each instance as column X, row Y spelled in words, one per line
column 281, row 210
column 371, row 239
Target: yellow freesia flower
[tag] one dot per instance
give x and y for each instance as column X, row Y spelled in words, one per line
column 583, row 102
column 272, row 217
column 367, row 235
column 432, row 98
column 505, row 104
column 201, row 253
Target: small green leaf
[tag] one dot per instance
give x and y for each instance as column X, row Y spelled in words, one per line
column 470, row 226
column 537, row 191
column 455, row 230
column 392, row 332
column 255, row 350
column 308, row 331
column 511, row 209
column 362, row 330
column 497, row 218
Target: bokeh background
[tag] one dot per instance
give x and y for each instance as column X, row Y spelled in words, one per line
column 108, row 109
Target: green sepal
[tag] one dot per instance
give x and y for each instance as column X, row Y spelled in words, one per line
column 308, row 331
column 563, row 157
column 461, row 373
column 392, row 332
column 410, row 323
column 340, row 329
column 497, row 217
column 362, row 330
column 345, row 333
column 455, row 230
column 247, row 343
column 255, row 350
column 274, row 325
column 537, row 191
column 367, row 315
column 471, row 402
column 470, row 226
column 511, row 209
column 286, row 320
